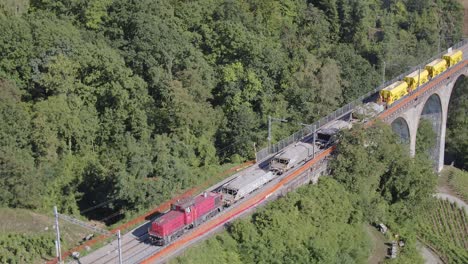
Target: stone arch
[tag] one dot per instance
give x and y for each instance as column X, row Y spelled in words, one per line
column 448, row 109
column 401, row 128
column 433, row 112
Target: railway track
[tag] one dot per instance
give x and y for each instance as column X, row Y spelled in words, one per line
column 131, row 247
column 133, row 243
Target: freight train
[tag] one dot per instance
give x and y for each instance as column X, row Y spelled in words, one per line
column 190, row 213
column 399, row 89
column 244, row 184
column 187, row 214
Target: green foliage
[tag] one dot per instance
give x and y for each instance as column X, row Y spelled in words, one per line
column 99, row 95
column 387, row 183
column 14, row 7
column 311, row 225
column 16, row 45
column 425, row 138
column 22, row 248
column 357, row 75
column 457, row 125
column 220, row 249
column 444, row 226
column 458, row 181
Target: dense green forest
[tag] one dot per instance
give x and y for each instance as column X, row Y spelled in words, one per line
column 97, row 96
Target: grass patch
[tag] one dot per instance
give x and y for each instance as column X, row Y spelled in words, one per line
column 457, row 180
column 33, row 235
column 445, row 227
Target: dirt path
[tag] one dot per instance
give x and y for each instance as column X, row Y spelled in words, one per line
column 379, row 249
column 444, row 191
column 443, row 185
column 429, row 256
column 453, row 199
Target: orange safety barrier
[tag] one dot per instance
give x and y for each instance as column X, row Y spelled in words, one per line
column 161, row 208
column 242, row 208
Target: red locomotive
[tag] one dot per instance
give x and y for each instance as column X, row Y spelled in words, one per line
column 184, row 215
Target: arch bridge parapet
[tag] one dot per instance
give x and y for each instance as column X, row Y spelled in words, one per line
column 420, row 96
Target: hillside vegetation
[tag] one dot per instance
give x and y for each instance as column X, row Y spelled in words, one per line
column 445, row 227
column 28, row 237
column 308, row 226
column 98, row 96
column 456, row 180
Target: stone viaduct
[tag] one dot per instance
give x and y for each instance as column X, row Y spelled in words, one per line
column 431, row 102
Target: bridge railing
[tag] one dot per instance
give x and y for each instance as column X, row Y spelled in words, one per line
column 307, row 131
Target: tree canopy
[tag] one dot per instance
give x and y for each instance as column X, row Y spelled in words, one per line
column 99, row 95
column 117, row 105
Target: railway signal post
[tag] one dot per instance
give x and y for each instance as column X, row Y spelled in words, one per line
column 119, row 243
column 383, row 73
column 313, row 131
column 57, row 241
column 270, row 119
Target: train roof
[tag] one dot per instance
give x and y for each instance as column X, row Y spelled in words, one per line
column 454, row 51
column 334, row 127
column 434, row 62
column 202, row 196
column 337, row 124
column 370, row 108
column 184, row 203
column 168, row 217
column 245, row 179
column 196, row 200
column 393, row 85
column 295, row 151
column 416, row 73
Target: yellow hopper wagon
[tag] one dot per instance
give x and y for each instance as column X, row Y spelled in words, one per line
column 453, row 57
column 416, row 78
column 393, row 92
column 436, row 67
